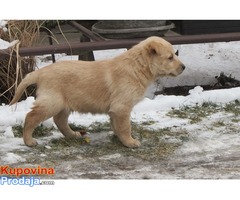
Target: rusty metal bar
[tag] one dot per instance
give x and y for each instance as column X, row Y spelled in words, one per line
column 204, row 38
column 115, row 44
column 85, row 31
column 68, row 48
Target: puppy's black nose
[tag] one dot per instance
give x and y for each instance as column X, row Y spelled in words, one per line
column 183, row 67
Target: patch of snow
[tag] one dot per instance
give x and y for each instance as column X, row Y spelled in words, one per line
column 8, row 132
column 11, row 158
column 110, row 157
column 5, row 45
column 3, row 24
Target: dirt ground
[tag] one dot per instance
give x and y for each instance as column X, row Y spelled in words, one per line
column 195, row 151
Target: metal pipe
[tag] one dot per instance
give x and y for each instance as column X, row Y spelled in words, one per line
column 204, row 38
column 115, row 44
column 68, row 48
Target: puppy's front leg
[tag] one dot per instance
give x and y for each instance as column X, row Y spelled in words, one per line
column 121, row 126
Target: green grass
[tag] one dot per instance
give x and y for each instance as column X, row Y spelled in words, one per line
column 195, row 113
column 40, row 131
column 148, row 123
column 233, row 107
column 63, row 142
column 219, row 123
column 154, row 144
column 198, row 112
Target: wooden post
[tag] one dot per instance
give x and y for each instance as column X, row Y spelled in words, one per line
column 85, row 55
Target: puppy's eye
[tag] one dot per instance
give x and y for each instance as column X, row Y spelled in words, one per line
column 170, row 57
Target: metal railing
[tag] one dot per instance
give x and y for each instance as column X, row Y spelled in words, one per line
column 99, row 43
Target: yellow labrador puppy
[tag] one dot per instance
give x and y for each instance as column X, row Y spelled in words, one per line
column 111, row 86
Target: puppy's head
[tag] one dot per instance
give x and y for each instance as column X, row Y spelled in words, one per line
column 163, row 61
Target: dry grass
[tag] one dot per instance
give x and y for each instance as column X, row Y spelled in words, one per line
column 14, row 68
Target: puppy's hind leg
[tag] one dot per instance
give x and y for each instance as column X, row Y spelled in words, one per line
column 43, row 110
column 61, row 120
column 31, row 121
column 33, row 118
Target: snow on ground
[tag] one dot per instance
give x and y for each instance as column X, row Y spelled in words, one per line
column 211, row 151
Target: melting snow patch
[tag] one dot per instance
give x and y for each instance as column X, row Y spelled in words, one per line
column 5, row 45
column 110, row 157
column 11, row 158
column 8, row 132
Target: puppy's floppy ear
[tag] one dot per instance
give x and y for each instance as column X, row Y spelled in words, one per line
column 155, row 48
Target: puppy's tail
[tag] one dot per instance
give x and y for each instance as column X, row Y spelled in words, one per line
column 30, row 79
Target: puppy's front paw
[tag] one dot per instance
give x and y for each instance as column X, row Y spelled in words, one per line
column 133, row 143
column 31, row 143
column 79, row 134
